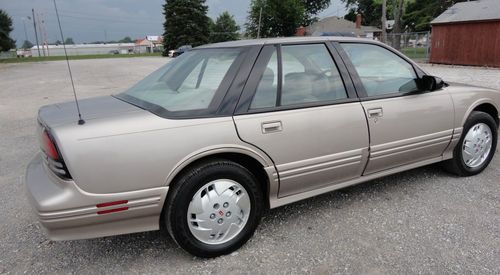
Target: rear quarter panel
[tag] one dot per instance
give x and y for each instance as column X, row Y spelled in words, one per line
column 140, row 150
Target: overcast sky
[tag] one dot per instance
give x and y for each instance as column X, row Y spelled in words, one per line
column 92, row 20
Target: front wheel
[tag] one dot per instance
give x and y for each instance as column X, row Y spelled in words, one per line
column 476, row 147
column 214, row 208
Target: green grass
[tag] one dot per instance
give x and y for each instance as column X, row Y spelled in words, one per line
column 74, row 57
column 415, row 53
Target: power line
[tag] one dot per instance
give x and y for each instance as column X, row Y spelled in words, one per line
column 94, row 17
column 111, row 20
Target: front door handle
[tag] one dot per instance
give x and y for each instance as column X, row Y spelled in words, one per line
column 271, row 127
column 375, row 112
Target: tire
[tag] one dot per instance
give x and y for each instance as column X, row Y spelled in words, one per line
column 194, row 186
column 458, row 164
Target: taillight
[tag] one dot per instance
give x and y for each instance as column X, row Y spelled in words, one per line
column 48, row 146
column 52, row 158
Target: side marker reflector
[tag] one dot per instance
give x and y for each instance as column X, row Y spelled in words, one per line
column 112, row 210
column 106, row 204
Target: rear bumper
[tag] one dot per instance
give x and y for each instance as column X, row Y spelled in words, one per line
column 68, row 213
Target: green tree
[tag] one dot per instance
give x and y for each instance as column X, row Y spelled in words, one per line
column 279, row 17
column 370, row 10
column 312, row 8
column 6, row 43
column 126, row 39
column 69, row 41
column 186, row 23
column 27, row 44
column 224, row 29
column 413, row 15
column 211, row 24
column 419, row 14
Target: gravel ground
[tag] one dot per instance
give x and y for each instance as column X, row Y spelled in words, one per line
column 419, row 221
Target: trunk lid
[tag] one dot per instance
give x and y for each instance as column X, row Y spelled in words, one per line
column 91, row 108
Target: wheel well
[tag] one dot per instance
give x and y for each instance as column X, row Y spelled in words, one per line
column 489, row 109
column 253, row 165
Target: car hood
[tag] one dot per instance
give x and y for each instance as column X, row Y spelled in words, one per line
column 92, row 108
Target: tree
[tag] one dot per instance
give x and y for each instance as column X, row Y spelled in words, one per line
column 279, row 17
column 419, row 14
column 224, row 29
column 69, row 41
column 409, row 15
column 383, row 22
column 186, row 23
column 211, row 24
column 27, row 44
column 312, row 8
column 58, row 42
column 6, row 43
column 397, row 29
column 370, row 10
column 126, row 39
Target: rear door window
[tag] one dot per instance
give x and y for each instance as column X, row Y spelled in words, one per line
column 308, row 75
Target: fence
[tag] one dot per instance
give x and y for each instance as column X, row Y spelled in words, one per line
column 415, row 45
column 9, row 54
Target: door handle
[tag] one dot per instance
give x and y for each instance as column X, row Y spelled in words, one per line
column 271, row 127
column 375, row 112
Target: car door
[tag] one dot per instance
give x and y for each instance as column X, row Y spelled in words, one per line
column 296, row 108
column 406, row 125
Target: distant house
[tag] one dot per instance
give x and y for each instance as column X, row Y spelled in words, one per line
column 468, row 33
column 339, row 26
column 149, row 44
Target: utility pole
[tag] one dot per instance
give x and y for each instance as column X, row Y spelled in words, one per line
column 36, row 35
column 384, row 20
column 43, row 30
column 41, row 33
column 25, row 32
column 260, row 20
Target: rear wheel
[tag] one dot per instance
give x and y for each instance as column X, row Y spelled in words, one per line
column 476, row 147
column 214, row 208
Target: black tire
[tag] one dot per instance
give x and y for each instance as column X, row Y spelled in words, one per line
column 182, row 192
column 457, row 165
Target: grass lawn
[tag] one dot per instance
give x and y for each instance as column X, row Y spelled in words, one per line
column 74, row 57
column 415, row 53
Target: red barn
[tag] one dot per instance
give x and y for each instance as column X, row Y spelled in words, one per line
column 468, row 33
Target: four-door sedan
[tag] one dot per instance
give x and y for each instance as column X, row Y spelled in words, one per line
column 204, row 144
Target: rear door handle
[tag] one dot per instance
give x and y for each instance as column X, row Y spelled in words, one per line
column 375, row 112
column 271, row 127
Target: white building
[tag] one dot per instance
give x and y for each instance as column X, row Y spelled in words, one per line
column 85, row 49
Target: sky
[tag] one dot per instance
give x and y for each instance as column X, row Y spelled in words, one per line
column 98, row 20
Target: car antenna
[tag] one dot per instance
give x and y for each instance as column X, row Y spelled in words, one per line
column 80, row 120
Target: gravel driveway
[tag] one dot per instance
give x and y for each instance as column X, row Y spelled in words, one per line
column 420, row 221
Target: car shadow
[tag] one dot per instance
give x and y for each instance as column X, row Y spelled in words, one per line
column 158, row 244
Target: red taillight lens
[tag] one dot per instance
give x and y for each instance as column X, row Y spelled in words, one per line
column 48, row 146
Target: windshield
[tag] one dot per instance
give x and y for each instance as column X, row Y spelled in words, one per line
column 186, row 83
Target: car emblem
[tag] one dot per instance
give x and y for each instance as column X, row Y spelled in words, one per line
column 221, row 213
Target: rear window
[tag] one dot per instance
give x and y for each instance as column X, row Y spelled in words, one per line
column 188, row 83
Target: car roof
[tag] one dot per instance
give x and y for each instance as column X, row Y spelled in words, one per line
column 296, row 39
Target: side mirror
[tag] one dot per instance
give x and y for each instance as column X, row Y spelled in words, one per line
column 431, row 83
column 439, row 83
